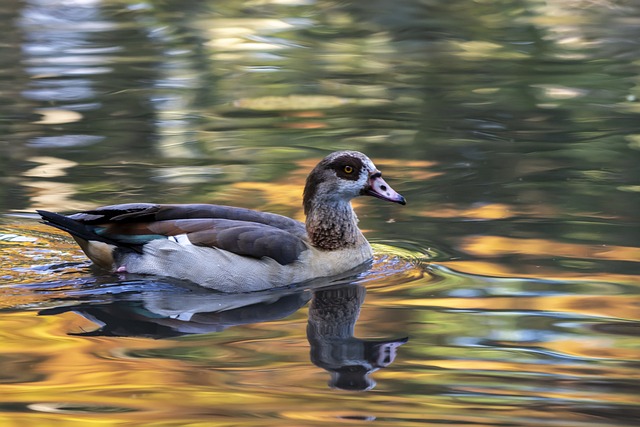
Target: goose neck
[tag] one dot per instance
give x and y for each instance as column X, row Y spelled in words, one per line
column 332, row 227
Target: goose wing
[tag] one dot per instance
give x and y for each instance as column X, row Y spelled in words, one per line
column 237, row 230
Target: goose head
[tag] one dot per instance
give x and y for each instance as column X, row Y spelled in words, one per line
column 344, row 175
column 338, row 178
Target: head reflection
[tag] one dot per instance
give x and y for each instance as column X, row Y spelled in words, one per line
column 349, row 360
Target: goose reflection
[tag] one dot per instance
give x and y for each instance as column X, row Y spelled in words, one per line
column 167, row 311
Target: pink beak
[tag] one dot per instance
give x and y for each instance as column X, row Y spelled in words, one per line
column 380, row 189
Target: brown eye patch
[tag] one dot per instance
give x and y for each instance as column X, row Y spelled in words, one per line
column 347, row 167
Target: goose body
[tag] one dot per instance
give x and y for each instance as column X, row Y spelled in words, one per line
column 235, row 249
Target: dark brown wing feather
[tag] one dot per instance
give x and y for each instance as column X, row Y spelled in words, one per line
column 241, row 231
column 255, row 240
column 147, row 212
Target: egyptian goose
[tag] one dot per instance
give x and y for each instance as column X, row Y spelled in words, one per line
column 235, row 249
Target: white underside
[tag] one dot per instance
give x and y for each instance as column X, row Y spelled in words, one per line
column 218, row 269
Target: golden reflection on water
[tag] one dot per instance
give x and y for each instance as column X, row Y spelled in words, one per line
column 465, row 347
column 496, row 269
column 614, row 306
column 490, row 246
column 263, row 370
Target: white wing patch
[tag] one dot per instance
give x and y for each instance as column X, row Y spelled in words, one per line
column 181, row 239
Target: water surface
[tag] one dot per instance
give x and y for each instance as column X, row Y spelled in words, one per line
column 504, row 293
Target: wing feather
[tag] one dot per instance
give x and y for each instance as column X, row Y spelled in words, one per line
column 147, row 212
column 241, row 231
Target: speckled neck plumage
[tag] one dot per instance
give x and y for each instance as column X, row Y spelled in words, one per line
column 332, row 227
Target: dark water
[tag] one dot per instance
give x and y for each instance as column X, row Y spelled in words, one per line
column 505, row 293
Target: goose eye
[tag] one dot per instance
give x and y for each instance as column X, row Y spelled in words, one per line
column 348, row 169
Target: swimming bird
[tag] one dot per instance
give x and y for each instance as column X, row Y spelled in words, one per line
column 234, row 249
